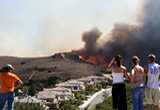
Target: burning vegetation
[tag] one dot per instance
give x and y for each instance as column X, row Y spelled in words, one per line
column 125, row 39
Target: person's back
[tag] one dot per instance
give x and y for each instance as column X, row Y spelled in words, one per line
column 118, row 85
column 153, row 75
column 152, row 91
column 138, row 76
column 137, row 80
column 118, row 75
column 8, row 81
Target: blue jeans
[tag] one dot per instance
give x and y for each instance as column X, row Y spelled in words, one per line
column 137, row 98
column 7, row 97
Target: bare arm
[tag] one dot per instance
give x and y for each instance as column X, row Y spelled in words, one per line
column 132, row 75
column 146, row 75
column 145, row 71
column 18, row 84
column 126, row 73
column 111, row 63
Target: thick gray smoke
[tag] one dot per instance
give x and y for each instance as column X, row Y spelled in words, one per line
column 90, row 39
column 129, row 40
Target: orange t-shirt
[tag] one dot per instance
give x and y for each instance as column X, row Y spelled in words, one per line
column 7, row 82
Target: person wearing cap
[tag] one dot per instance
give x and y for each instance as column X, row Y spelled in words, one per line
column 137, row 81
column 152, row 93
column 8, row 81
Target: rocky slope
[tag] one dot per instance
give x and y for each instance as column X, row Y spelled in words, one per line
column 61, row 65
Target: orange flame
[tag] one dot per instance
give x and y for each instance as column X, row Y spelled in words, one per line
column 96, row 60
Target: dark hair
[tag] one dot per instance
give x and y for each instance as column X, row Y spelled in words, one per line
column 135, row 60
column 151, row 57
column 118, row 59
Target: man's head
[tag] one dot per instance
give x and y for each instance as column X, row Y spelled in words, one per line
column 135, row 60
column 151, row 58
column 7, row 68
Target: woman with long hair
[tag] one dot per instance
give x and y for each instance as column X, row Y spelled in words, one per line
column 119, row 72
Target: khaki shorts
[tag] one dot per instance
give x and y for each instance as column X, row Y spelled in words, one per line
column 152, row 96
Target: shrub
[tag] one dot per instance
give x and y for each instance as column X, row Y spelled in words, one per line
column 107, row 104
column 28, row 106
column 32, row 90
column 68, row 105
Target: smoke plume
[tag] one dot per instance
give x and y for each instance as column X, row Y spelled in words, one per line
column 129, row 40
column 90, row 39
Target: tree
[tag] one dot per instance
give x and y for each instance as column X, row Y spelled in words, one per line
column 28, row 106
column 52, row 81
column 68, row 105
column 32, row 90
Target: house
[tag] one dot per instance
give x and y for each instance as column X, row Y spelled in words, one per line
column 59, row 89
column 74, row 85
column 61, row 93
column 27, row 99
column 91, row 80
column 55, row 95
column 47, row 97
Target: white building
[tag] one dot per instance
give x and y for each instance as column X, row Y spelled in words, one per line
column 31, row 100
column 91, row 80
column 27, row 99
column 55, row 95
column 74, row 85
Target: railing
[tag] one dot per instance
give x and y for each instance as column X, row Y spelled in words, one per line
column 95, row 99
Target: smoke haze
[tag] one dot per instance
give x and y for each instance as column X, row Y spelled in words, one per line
column 141, row 39
column 31, row 29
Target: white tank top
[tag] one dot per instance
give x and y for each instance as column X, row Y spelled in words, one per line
column 153, row 76
column 118, row 77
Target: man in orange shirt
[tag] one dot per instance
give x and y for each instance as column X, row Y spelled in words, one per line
column 8, row 81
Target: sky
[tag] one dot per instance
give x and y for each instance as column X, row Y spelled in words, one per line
column 30, row 28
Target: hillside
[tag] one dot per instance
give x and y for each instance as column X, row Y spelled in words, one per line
column 61, row 65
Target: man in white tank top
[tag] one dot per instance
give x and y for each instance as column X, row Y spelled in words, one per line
column 152, row 93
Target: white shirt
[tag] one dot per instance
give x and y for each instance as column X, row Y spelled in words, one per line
column 153, row 76
column 118, row 78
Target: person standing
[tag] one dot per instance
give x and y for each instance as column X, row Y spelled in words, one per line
column 8, row 82
column 119, row 99
column 137, row 81
column 152, row 93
